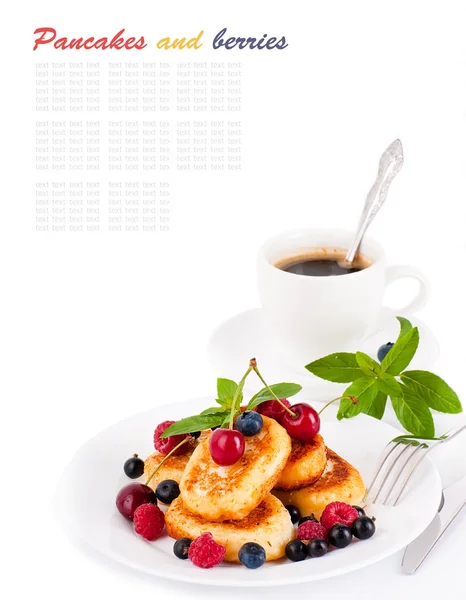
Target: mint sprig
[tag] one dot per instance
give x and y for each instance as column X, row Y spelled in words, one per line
column 413, row 394
column 230, row 397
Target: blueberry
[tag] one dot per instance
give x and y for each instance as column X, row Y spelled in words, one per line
column 384, row 350
column 249, row 423
column 296, row 550
column 252, row 555
column 181, row 547
column 363, row 528
column 167, row 491
column 308, row 518
column 317, row 547
column 340, row 536
column 294, row 513
column 134, row 467
column 360, row 510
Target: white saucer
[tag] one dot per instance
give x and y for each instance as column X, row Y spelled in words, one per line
column 246, row 335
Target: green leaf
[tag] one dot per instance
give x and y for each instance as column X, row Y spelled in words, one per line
column 365, row 390
column 281, row 390
column 195, row 423
column 413, row 413
column 226, row 389
column 341, row 367
column 389, row 385
column 411, row 439
column 434, row 390
column 214, row 410
column 405, row 326
column 367, row 364
column 225, row 404
column 377, row 408
column 399, row 357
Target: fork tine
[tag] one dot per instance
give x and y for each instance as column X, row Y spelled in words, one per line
column 411, row 473
column 428, row 449
column 383, row 459
column 390, row 469
column 404, row 466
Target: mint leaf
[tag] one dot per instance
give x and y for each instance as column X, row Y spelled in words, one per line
column 413, row 413
column 412, row 439
column 281, row 390
column 405, row 326
column 399, row 357
column 226, row 389
column 367, row 364
column 341, row 367
column 377, row 408
column 434, row 390
column 214, row 410
column 195, row 423
column 365, row 390
column 225, row 404
column 389, row 385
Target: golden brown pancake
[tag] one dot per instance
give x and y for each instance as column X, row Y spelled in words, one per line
column 305, row 465
column 269, row 525
column 218, row 493
column 172, row 468
column 340, row 481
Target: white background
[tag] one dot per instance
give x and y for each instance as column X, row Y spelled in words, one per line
column 94, row 329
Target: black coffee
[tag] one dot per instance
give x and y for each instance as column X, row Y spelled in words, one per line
column 318, row 263
column 320, row 268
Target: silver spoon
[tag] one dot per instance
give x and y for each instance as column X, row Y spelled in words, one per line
column 390, row 165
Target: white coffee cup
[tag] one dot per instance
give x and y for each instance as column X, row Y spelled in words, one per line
column 312, row 316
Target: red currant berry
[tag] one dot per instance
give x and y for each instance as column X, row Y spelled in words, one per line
column 166, row 445
column 226, row 446
column 304, row 424
column 273, row 409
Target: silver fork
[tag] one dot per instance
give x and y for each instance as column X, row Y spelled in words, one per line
column 397, row 465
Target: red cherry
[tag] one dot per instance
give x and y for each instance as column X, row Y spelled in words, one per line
column 226, row 446
column 273, row 409
column 304, row 425
column 132, row 496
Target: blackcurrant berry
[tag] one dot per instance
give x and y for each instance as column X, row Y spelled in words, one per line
column 296, row 550
column 340, row 536
column 360, row 510
column 363, row 528
column 134, row 467
column 181, row 547
column 295, row 515
column 317, row 547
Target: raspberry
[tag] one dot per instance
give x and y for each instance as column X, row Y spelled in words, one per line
column 204, row 552
column 149, row 521
column 273, row 409
column 338, row 512
column 310, row 530
column 166, row 445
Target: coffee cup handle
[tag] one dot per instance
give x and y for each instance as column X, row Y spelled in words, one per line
column 393, row 273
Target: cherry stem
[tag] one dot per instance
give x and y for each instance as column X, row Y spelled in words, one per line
column 274, row 395
column 186, row 439
column 353, row 399
column 237, row 393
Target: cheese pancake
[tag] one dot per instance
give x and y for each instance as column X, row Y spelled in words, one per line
column 269, row 525
column 218, row 493
column 340, row 481
column 305, row 465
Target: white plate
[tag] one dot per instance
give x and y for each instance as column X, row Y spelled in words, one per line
column 91, row 482
column 247, row 334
